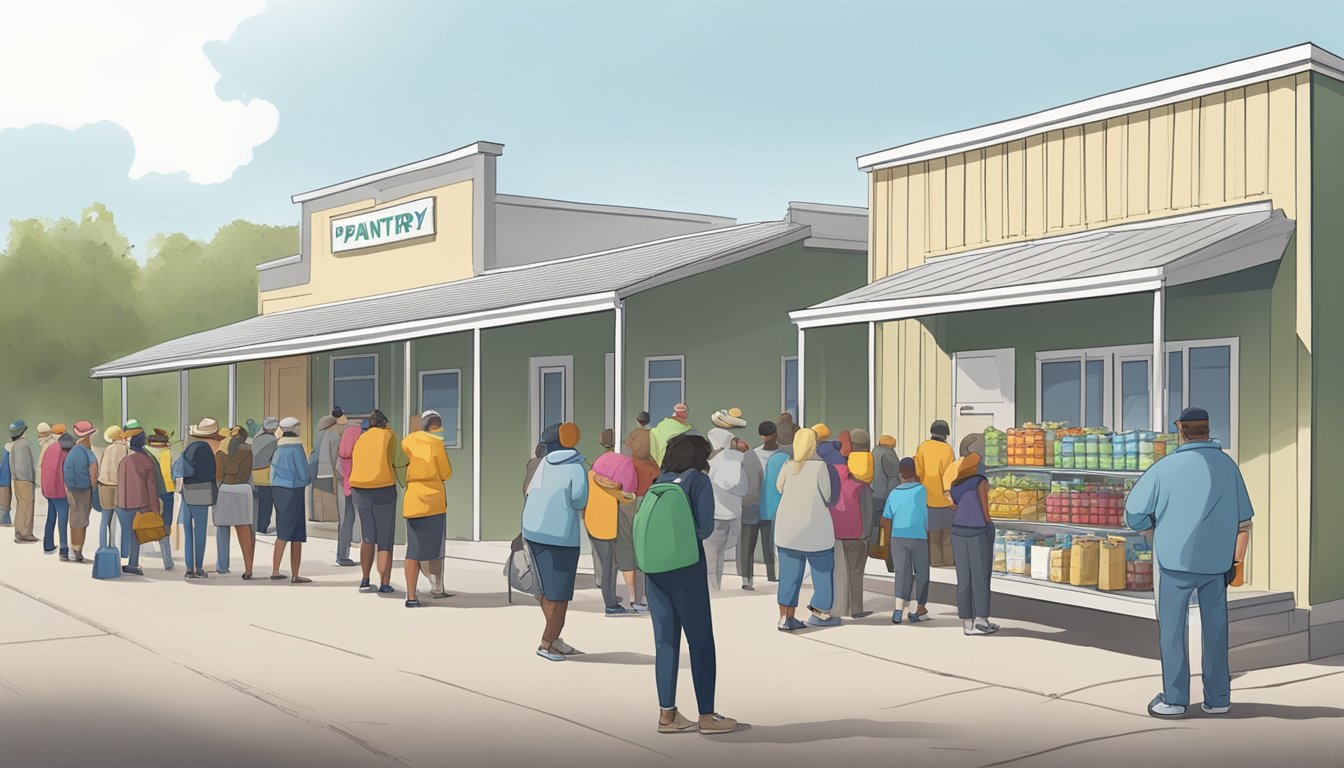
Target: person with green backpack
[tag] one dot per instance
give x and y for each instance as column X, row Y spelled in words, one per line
column 673, row 521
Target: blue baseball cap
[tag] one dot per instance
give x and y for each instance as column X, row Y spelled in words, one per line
column 1193, row 414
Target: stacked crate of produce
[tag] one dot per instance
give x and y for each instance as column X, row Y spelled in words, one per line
column 996, row 447
column 1026, row 446
column 1018, row 497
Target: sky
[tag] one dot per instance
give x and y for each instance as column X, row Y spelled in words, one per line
column 184, row 116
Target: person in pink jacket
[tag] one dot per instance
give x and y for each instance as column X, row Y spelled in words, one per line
column 614, row 473
column 53, row 488
column 345, row 452
column 620, row 470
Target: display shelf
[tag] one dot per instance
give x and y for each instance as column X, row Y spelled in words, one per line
column 1008, row 522
column 1125, row 473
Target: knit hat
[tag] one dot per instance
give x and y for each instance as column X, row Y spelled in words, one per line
column 428, row 416
column 325, row 423
column 112, row 434
column 17, row 428
column 206, row 427
column 66, row 441
column 643, row 417
column 130, row 429
column 569, row 434
column 159, row 437
column 550, row 437
column 43, row 429
column 289, row 423
column 337, row 412
column 607, row 439
column 887, row 440
column 84, row 428
column 728, row 419
column 860, row 440
column 823, row 431
column 252, row 428
column 58, row 429
column 270, row 424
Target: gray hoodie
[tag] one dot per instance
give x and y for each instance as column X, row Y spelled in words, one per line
column 23, row 461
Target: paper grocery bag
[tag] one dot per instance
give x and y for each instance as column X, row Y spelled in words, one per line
column 1085, row 561
column 1040, row 562
column 1111, row 575
column 1059, row 565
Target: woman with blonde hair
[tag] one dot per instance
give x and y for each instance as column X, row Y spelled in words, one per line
column 234, row 508
column 805, row 534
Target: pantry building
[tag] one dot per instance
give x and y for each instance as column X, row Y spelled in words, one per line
column 422, row 287
column 1102, row 265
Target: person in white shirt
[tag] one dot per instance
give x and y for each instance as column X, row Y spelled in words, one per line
column 730, row 483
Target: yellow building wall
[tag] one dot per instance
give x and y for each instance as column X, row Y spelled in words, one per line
column 440, row 258
column 1242, row 145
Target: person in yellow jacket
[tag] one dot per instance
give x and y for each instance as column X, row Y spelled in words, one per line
column 426, row 505
column 932, row 460
column 373, row 486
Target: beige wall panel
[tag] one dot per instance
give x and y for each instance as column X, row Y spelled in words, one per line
column 898, row 201
column 976, row 199
column 1212, row 159
column 935, row 197
column 1035, row 186
column 956, row 202
column 1159, row 158
column 1183, row 143
column 1234, row 145
column 879, row 220
column 1015, row 185
column 1054, row 180
column 996, row 189
column 1094, row 172
column 916, row 244
column 1136, row 199
column 1073, row 176
column 1116, row 167
column 1257, row 138
column 1282, row 173
column 1303, row 199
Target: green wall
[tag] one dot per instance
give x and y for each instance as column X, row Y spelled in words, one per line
column 440, row 353
column 1327, row 320
column 153, row 400
column 506, row 442
column 732, row 324
column 208, row 394
column 251, row 395
column 836, row 391
column 111, row 406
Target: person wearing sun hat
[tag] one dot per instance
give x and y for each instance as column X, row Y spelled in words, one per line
column 551, row 530
column 730, row 482
column 115, row 453
column 157, row 444
column 200, row 491
column 80, row 474
column 23, row 473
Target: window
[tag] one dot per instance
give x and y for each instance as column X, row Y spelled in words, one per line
column 442, row 391
column 789, row 386
column 1210, row 376
column 1135, row 407
column 552, row 392
column 354, row 384
column 664, row 385
column 1073, row 390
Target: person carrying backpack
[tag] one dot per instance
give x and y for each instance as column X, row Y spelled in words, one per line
column 679, row 597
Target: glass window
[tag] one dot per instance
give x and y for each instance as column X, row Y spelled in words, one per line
column 354, row 384
column 1211, row 388
column 664, row 386
column 1175, row 389
column 790, row 405
column 1095, row 394
column 552, row 397
column 441, row 391
column 1135, row 411
column 1061, row 391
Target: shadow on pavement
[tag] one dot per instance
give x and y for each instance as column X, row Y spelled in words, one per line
column 1258, row 711
column 615, row 657
column 830, row 730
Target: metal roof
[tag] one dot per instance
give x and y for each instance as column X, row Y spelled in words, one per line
column 1122, row 259
column 500, row 297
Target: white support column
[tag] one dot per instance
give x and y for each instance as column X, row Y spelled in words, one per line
column 124, row 414
column 872, row 383
column 407, row 390
column 618, row 374
column 233, row 395
column 476, row 433
column 802, row 374
column 1158, row 368
column 183, row 416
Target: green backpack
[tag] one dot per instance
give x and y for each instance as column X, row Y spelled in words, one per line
column 664, row 530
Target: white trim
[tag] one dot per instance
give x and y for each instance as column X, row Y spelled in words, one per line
column 1157, row 387
column 681, row 380
column 331, row 380
column 1236, row 74
column 233, row 394
column 522, row 201
column 276, row 263
column 478, row 148
column 183, row 409
column 802, row 373
column 125, row 416
column 872, row 383
column 420, row 400
column 476, row 434
column 406, row 376
column 534, row 367
column 618, row 373
column 784, row 382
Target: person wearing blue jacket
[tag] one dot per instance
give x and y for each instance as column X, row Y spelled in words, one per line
column 199, row 492
column 551, row 526
column 679, row 600
column 6, row 497
column 905, row 519
column 289, row 478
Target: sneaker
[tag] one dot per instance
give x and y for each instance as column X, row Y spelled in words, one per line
column 565, row 649
column 412, row 603
column 278, row 577
column 365, row 586
column 1159, row 707
column 818, row 621
column 386, row 589
column 915, row 618
column 677, row 723
column 639, row 607
column 862, row 615
column 79, row 557
column 551, row 655
column 790, row 624
column 133, row 569
column 201, row 574
column 1215, row 710
column 712, row 725
column 347, row 562
column 615, row 610
column 65, row 558
column 980, row 629
column 748, row 587
column 896, row 617
column 222, row 571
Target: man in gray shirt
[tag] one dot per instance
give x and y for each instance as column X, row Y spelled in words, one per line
column 23, row 477
column 329, row 464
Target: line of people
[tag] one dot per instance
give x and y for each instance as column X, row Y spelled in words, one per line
column 237, row 480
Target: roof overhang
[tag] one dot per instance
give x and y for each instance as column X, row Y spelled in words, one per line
column 1261, row 242
column 1300, row 58
column 478, row 148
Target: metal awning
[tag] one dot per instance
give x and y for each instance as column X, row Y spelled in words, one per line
column 564, row 287
column 1132, row 258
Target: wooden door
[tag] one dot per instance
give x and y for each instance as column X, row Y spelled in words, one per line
column 287, row 393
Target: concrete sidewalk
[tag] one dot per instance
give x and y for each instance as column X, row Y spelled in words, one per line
column 157, row 671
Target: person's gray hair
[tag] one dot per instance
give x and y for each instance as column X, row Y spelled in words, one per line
column 428, row 421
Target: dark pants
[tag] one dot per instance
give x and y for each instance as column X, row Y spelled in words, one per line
column 974, row 552
column 746, row 548
column 679, row 602
column 265, row 501
column 58, row 519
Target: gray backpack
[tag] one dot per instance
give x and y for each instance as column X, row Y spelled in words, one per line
column 519, row 571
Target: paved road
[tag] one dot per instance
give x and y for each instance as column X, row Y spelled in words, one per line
column 157, row 671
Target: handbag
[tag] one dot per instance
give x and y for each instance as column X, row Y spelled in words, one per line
column 199, row 494
column 148, row 526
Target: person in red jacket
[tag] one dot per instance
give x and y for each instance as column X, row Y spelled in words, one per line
column 138, row 478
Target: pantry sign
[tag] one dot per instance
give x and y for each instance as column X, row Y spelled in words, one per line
column 405, row 221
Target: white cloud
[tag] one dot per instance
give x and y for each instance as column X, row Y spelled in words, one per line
column 140, row 65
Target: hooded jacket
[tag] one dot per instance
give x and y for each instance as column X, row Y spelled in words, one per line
column 345, row 453
column 53, row 468
column 233, row 465
column 23, row 461
column 427, row 469
column 289, row 467
column 559, row 493
column 263, row 450
column 138, row 480
column 726, row 475
column 645, row 467
column 111, row 460
column 660, row 435
column 852, row 512
column 886, row 472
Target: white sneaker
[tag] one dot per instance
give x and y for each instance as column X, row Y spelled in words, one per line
column 980, row 629
column 1159, row 707
column 639, row 607
column 1215, row 710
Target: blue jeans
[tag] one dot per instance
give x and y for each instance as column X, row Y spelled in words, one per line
column 679, row 602
column 132, row 551
column 58, row 513
column 1174, row 590
column 193, row 529
column 166, row 544
column 791, row 565
column 105, row 516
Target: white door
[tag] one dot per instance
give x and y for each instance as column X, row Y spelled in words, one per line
column 983, row 391
column 552, row 392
